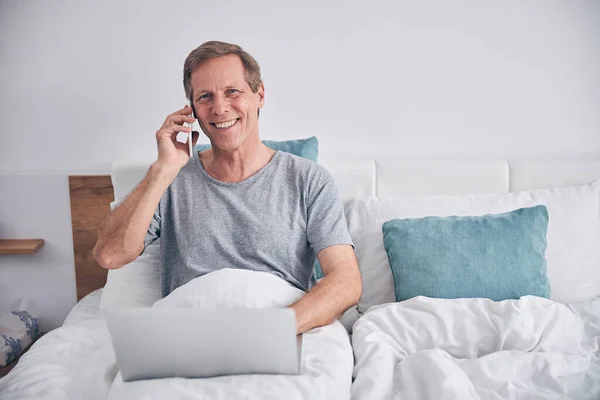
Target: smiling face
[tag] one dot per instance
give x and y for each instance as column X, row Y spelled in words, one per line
column 224, row 103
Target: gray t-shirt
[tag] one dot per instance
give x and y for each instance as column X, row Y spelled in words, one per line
column 275, row 221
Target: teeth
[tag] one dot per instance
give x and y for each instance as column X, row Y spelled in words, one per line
column 227, row 124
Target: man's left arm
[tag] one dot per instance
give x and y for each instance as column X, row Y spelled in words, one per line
column 339, row 290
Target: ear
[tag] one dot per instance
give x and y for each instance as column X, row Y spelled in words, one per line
column 261, row 95
column 193, row 109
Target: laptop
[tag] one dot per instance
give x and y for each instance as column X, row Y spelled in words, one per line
column 204, row 342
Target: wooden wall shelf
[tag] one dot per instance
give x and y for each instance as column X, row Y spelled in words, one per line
column 20, row 246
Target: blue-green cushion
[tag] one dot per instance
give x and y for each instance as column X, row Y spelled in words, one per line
column 496, row 256
column 318, row 271
column 306, row 148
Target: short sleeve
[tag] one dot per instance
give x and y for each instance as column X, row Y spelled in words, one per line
column 326, row 222
column 153, row 231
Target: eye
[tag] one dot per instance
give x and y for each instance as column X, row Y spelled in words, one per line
column 204, row 98
column 233, row 91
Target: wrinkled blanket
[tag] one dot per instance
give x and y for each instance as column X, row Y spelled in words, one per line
column 531, row 348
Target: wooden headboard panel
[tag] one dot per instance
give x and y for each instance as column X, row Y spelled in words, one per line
column 91, row 196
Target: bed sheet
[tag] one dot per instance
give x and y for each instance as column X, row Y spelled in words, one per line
column 69, row 362
column 531, row 348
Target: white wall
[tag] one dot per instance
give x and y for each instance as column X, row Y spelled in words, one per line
column 37, row 207
column 85, row 82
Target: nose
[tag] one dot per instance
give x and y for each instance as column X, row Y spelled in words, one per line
column 220, row 105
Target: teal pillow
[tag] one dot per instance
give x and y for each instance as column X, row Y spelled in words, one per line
column 306, row 148
column 496, row 256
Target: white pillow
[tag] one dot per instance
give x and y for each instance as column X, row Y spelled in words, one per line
column 573, row 253
column 136, row 284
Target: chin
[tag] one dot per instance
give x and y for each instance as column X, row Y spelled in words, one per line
column 227, row 143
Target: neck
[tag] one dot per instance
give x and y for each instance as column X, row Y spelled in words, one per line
column 236, row 165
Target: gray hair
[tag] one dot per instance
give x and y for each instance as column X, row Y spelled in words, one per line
column 214, row 49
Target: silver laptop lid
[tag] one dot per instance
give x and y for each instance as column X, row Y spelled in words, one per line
column 203, row 342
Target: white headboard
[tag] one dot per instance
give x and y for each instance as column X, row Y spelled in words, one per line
column 390, row 177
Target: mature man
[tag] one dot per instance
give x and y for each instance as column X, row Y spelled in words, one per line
column 239, row 204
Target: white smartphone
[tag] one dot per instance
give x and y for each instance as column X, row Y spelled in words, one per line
column 182, row 137
column 191, row 136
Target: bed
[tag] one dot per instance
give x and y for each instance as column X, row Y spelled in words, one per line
column 420, row 348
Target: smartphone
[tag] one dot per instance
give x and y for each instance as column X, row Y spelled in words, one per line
column 191, row 135
column 183, row 136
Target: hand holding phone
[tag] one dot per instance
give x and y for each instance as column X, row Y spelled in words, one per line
column 171, row 150
column 184, row 137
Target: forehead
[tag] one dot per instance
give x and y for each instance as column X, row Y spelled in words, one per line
column 218, row 73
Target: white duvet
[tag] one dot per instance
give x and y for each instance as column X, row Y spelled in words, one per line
column 77, row 361
column 464, row 349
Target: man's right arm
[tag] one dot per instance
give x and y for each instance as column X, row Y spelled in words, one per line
column 121, row 234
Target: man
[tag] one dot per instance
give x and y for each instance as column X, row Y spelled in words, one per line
column 239, row 204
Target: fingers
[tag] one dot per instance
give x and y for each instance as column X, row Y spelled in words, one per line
column 179, row 128
column 174, row 123
column 173, row 131
column 187, row 110
column 180, row 119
